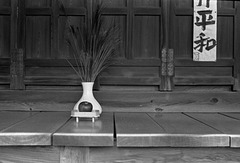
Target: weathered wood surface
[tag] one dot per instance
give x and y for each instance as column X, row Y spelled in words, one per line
column 235, row 139
column 164, row 155
column 138, row 130
column 183, row 131
column 36, row 130
column 126, row 101
column 10, row 118
column 115, row 155
column 167, row 129
column 86, row 133
column 74, row 155
column 225, row 124
column 35, row 154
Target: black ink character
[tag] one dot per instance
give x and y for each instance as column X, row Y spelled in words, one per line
column 204, row 42
column 205, row 21
column 200, row 3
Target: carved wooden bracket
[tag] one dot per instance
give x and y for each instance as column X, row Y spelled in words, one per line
column 167, row 70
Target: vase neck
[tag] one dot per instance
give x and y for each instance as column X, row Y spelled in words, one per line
column 87, row 87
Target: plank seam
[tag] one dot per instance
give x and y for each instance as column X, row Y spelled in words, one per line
column 202, row 122
column 20, row 121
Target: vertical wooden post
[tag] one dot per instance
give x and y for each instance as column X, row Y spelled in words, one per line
column 17, row 44
column 167, row 57
column 236, row 86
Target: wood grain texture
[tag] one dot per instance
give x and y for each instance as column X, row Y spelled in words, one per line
column 10, row 118
column 29, row 155
column 123, row 101
column 138, row 130
column 74, row 155
column 225, row 124
column 86, row 133
column 235, row 139
column 36, row 130
column 183, row 131
column 164, row 155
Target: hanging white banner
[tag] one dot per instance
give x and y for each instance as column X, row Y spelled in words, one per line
column 205, row 30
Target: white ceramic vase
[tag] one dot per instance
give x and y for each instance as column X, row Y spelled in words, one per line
column 89, row 97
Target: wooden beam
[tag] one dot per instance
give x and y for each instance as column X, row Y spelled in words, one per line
column 173, row 155
column 38, row 11
column 148, row 11
column 64, row 63
column 167, row 55
column 5, row 10
column 191, row 63
column 123, row 101
column 204, row 80
column 17, row 44
column 46, row 154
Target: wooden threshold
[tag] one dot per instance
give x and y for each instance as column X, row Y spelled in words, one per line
column 123, row 101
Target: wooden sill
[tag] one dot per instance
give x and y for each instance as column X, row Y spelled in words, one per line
column 123, row 101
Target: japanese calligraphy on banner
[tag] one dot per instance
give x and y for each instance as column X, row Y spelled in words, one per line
column 205, row 30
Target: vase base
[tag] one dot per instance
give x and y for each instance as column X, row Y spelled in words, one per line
column 94, row 114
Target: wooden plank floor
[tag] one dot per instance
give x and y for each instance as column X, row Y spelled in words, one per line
column 127, row 129
column 184, row 131
column 9, row 118
column 86, row 133
column 33, row 131
column 225, row 123
column 165, row 130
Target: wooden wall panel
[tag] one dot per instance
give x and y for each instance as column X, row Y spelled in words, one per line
column 120, row 22
column 38, row 3
column 204, row 71
column 49, row 71
column 74, row 3
column 115, row 3
column 148, row 3
column 64, row 50
column 183, row 46
column 38, row 37
column 225, row 3
column 225, row 35
column 146, row 37
column 183, row 3
column 131, row 72
column 5, row 36
column 5, row 3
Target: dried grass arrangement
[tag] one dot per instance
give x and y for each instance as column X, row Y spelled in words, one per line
column 94, row 46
